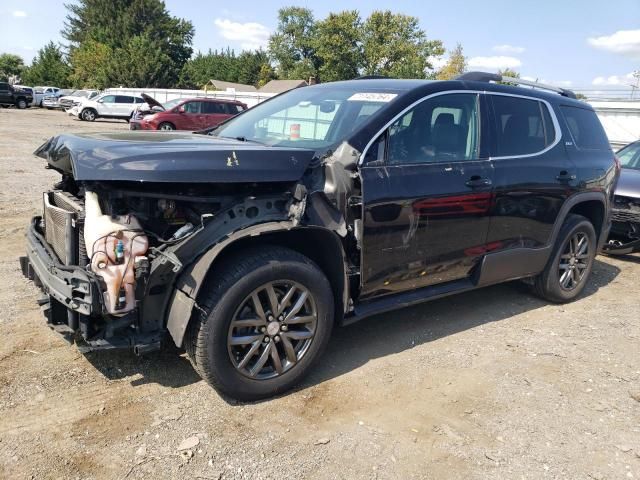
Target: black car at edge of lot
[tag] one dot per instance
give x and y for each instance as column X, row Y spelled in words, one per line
column 12, row 96
column 321, row 206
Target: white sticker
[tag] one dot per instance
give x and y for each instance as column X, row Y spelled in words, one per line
column 372, row 97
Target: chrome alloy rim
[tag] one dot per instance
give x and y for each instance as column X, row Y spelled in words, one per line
column 574, row 261
column 272, row 329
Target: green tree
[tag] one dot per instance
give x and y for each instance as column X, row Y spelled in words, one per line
column 48, row 68
column 249, row 66
column 10, row 66
column 92, row 63
column 213, row 65
column 126, row 27
column 394, row 45
column 266, row 74
column 456, row 65
column 292, row 46
column 338, row 46
column 507, row 72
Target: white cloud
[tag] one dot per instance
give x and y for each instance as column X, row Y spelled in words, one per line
column 19, row 13
column 438, row 62
column 615, row 80
column 508, row 49
column 625, row 42
column 250, row 35
column 494, row 63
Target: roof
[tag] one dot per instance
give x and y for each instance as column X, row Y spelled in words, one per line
column 279, row 86
column 238, row 87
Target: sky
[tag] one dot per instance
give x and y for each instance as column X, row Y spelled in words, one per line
column 584, row 44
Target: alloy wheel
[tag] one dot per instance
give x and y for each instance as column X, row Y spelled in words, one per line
column 574, row 261
column 272, row 329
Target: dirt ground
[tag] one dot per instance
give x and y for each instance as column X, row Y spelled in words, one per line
column 489, row 384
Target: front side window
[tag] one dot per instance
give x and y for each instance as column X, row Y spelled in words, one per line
column 523, row 126
column 108, row 99
column 192, row 107
column 443, row 128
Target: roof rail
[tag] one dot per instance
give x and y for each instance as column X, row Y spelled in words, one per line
column 494, row 77
column 370, row 77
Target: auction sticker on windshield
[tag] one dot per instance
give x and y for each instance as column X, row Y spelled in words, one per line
column 372, row 97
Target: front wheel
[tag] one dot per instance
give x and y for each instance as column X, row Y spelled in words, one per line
column 571, row 262
column 88, row 114
column 269, row 315
column 21, row 104
column 166, row 126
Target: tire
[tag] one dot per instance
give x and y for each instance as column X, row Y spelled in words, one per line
column 228, row 296
column 166, row 126
column 552, row 284
column 21, row 103
column 88, row 114
column 49, row 108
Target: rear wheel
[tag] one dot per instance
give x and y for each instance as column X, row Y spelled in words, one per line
column 571, row 262
column 166, row 126
column 88, row 114
column 270, row 315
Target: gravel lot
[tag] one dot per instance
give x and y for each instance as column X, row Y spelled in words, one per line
column 489, row 384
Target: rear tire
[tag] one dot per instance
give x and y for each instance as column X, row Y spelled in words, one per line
column 227, row 345
column 571, row 262
column 166, row 126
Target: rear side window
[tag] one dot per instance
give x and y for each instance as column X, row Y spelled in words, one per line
column 233, row 108
column 124, row 99
column 214, row 108
column 585, row 128
column 523, row 126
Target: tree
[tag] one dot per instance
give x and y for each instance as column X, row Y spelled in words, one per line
column 10, row 66
column 267, row 73
column 507, row 72
column 338, row 46
column 455, row 66
column 249, row 66
column 394, row 45
column 92, row 66
column 48, row 68
column 127, row 27
column 292, row 46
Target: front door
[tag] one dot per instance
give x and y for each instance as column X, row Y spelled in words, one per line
column 427, row 190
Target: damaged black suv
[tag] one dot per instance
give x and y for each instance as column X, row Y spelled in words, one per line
column 321, row 206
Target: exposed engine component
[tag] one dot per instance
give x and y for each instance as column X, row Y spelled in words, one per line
column 113, row 245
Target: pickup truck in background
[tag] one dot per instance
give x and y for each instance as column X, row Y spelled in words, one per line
column 10, row 95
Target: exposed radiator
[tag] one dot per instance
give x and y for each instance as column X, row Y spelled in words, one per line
column 63, row 219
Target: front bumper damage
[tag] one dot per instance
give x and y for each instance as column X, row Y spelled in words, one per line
column 624, row 237
column 72, row 301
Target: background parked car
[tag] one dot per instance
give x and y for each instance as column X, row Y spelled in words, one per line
column 625, row 229
column 10, row 95
column 106, row 105
column 67, row 99
column 24, row 88
column 185, row 114
column 40, row 92
column 51, row 101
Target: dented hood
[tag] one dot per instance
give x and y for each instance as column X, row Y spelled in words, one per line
column 172, row 157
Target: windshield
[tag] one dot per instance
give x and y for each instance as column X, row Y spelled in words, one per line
column 308, row 117
column 172, row 103
column 629, row 156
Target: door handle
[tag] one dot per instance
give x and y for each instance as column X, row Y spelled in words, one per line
column 476, row 181
column 565, row 176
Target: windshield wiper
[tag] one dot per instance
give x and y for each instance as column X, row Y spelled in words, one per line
column 242, row 139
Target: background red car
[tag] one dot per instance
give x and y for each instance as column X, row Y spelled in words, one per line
column 185, row 114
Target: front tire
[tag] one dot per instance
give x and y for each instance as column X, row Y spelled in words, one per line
column 21, row 104
column 88, row 114
column 270, row 316
column 166, row 126
column 571, row 262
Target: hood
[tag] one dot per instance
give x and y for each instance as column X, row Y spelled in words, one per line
column 172, row 157
column 152, row 102
column 629, row 183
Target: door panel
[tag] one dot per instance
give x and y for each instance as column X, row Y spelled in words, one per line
column 426, row 205
column 533, row 176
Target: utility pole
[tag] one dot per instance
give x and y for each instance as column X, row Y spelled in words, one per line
column 635, row 74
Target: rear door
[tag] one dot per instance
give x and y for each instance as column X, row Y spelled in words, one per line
column 426, row 185
column 213, row 114
column 533, row 174
column 123, row 106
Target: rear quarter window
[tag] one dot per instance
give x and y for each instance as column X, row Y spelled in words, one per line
column 585, row 128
